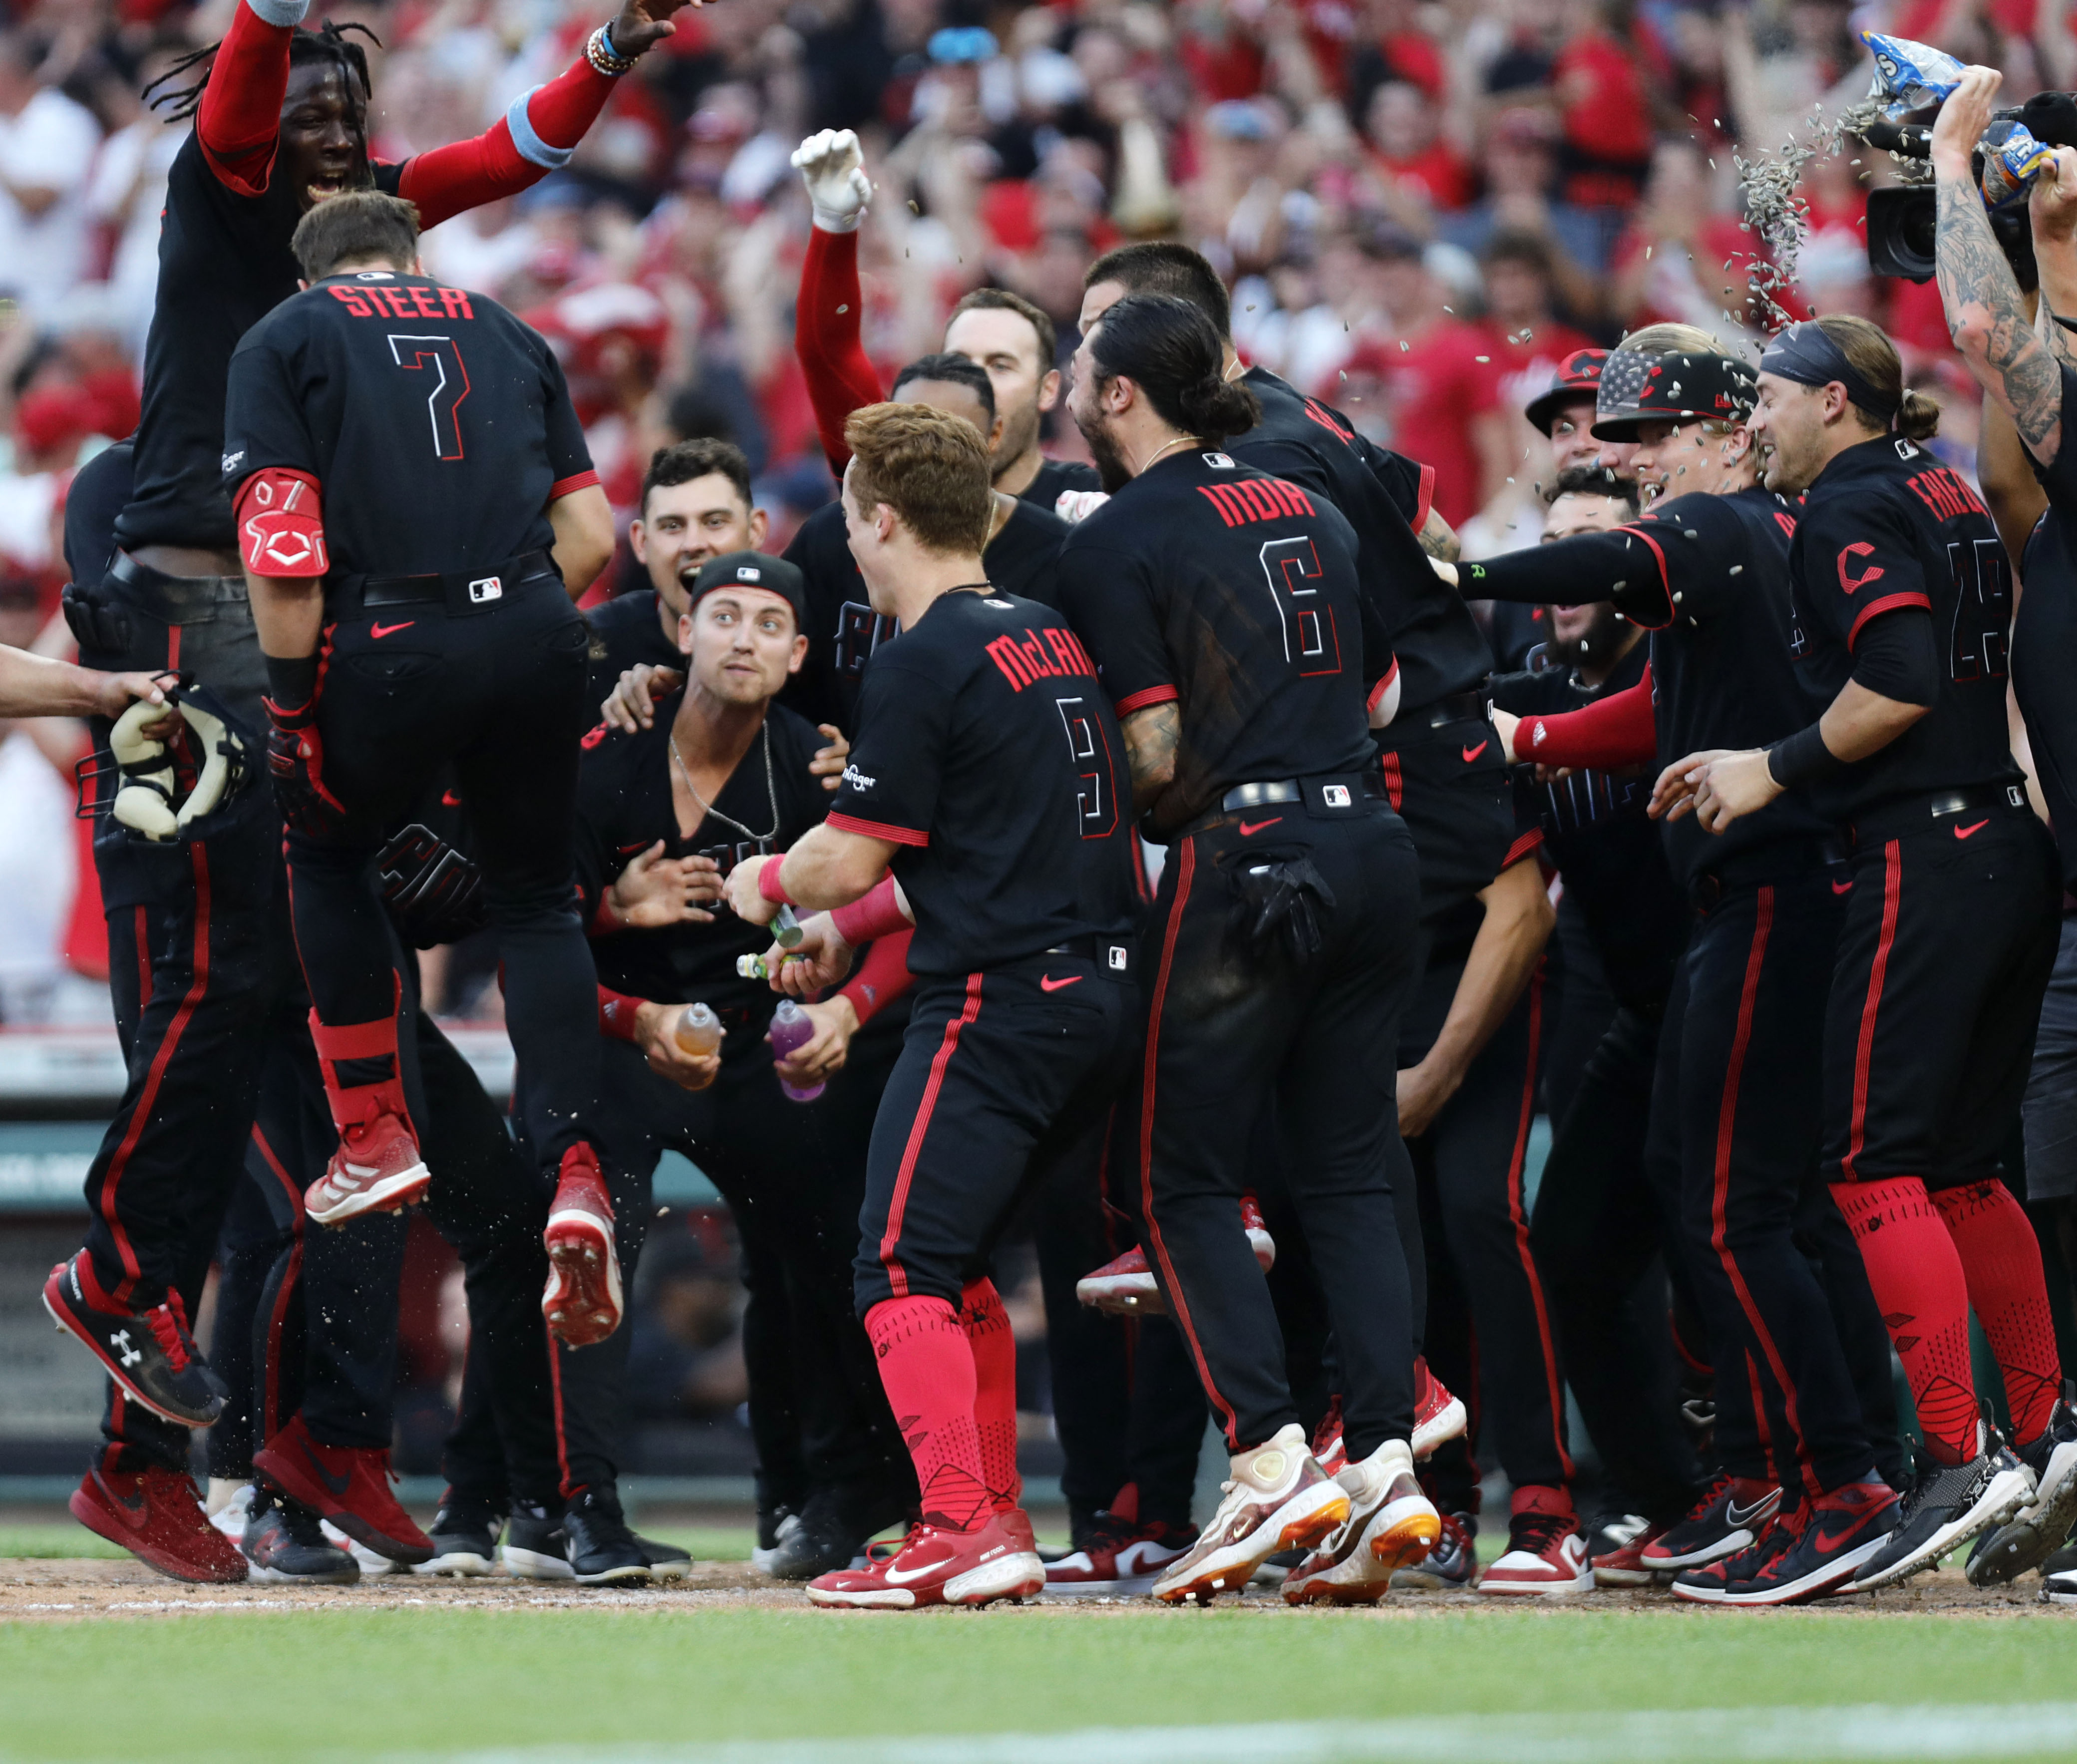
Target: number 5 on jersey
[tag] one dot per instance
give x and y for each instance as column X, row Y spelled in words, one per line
column 438, row 358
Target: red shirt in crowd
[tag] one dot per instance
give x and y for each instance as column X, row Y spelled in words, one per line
column 1432, row 391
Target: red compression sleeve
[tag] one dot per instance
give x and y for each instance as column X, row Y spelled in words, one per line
column 827, row 326
column 531, row 139
column 882, row 977
column 877, row 914
column 616, row 1014
column 1618, row 730
column 240, row 122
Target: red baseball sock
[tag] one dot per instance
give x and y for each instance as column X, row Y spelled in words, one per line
column 2001, row 1261
column 1916, row 1278
column 987, row 1325
column 928, row 1371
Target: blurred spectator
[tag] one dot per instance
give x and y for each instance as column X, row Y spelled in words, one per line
column 46, row 149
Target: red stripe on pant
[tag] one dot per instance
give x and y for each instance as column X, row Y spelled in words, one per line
column 1727, row 1124
column 1552, row 1383
column 556, row 1404
column 897, row 1276
column 111, row 1177
column 1186, row 868
column 1863, row 1054
column 271, row 1419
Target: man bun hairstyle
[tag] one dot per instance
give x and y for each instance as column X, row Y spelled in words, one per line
column 1002, row 300
column 953, row 370
column 930, row 467
column 1159, row 267
column 1874, row 357
column 357, row 225
column 1166, row 347
column 697, row 458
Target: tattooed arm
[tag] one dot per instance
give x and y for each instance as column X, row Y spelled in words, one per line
column 2052, row 211
column 1151, row 736
column 1986, row 314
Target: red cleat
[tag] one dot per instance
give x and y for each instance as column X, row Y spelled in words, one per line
column 376, row 1169
column 157, row 1515
column 935, row 1566
column 1439, row 1418
column 1125, row 1286
column 349, row 1485
column 582, row 1302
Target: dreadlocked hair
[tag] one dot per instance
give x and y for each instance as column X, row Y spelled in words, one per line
column 327, row 43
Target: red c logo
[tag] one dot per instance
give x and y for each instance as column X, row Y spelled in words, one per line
column 1858, row 548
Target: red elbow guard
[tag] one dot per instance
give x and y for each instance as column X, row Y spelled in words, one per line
column 280, row 523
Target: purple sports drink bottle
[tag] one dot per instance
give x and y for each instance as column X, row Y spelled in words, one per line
column 790, row 1028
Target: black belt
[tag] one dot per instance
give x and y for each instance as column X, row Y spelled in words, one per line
column 463, row 591
column 1926, row 814
column 1329, row 792
column 174, row 600
column 1410, row 726
column 1116, row 956
column 1775, row 862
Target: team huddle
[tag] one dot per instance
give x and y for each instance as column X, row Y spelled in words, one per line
column 1159, row 858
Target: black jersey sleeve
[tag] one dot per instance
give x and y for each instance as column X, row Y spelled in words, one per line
column 889, row 788
column 264, row 424
column 569, row 456
column 1410, row 485
column 1682, row 560
column 1110, row 598
column 1860, row 560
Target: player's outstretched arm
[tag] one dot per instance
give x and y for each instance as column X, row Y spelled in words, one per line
column 239, row 123
column 538, row 135
column 830, row 867
column 827, row 318
column 39, row 686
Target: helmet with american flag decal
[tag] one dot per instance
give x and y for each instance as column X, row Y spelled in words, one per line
column 1637, row 388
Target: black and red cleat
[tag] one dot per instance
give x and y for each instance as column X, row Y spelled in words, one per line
column 1728, row 1518
column 151, row 1353
column 349, row 1485
column 582, row 1301
column 157, row 1515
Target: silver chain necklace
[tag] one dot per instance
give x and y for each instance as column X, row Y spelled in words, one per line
column 762, row 840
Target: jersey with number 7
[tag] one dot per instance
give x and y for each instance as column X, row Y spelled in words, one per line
column 1887, row 530
column 436, row 427
column 1234, row 595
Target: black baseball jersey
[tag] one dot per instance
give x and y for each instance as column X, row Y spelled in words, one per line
column 843, row 631
column 1055, row 478
column 624, row 807
column 1442, row 651
column 224, row 264
column 1708, row 575
column 1235, row 595
column 2045, row 637
column 986, row 752
column 437, row 424
column 1608, row 852
column 625, row 632
column 1887, row 527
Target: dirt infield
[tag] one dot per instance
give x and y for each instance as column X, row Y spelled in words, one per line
column 68, row 1590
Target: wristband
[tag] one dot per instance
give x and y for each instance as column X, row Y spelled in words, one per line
column 769, row 887
column 874, row 914
column 600, row 52
column 1803, row 758
column 292, row 680
column 617, row 1014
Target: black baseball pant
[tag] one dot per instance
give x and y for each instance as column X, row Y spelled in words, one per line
column 499, row 691
column 1469, row 1166
column 1606, row 1254
column 1233, row 1027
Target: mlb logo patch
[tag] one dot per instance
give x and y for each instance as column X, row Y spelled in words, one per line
column 1335, row 795
column 748, row 573
column 486, row 588
column 1219, row 462
column 1116, row 956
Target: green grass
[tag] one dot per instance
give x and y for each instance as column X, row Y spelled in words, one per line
column 341, row 1684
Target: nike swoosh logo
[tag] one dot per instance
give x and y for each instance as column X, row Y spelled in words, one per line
column 1842, row 888
column 1471, row 754
column 1047, row 984
column 390, row 631
column 1249, row 828
column 338, row 1485
column 1733, row 1516
column 1963, row 833
column 901, row 1577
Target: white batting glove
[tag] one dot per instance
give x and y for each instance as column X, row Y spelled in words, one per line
column 1073, row 505
column 833, row 169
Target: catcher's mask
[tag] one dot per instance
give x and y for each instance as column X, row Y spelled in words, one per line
column 162, row 788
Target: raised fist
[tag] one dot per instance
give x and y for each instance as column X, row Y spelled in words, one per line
column 832, row 167
column 644, row 24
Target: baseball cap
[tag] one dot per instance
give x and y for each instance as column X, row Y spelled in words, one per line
column 1637, row 388
column 754, row 569
column 1579, row 376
